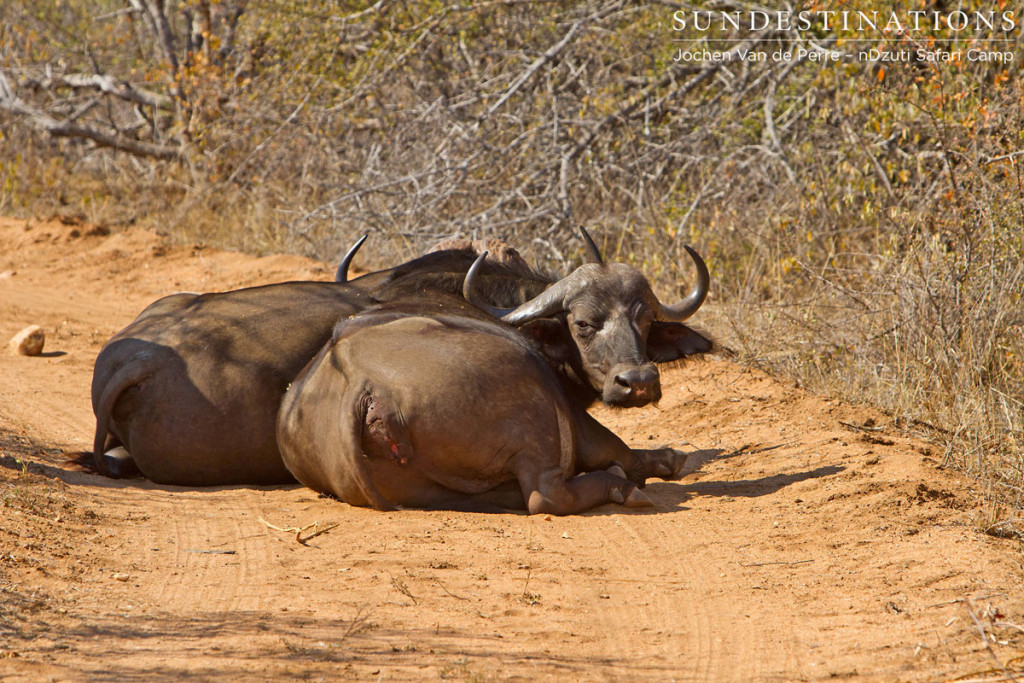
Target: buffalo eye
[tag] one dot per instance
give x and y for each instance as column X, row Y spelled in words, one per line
column 584, row 331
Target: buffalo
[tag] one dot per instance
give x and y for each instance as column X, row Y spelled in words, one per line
column 188, row 393
column 442, row 410
column 614, row 327
column 602, row 326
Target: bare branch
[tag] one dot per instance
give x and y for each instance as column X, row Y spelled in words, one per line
column 619, row 116
column 10, row 102
column 116, row 13
column 154, row 9
column 110, row 86
column 539, row 62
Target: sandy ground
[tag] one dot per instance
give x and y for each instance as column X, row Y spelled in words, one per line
column 815, row 542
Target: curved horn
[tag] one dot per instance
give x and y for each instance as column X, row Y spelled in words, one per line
column 341, row 275
column 682, row 310
column 592, row 250
column 547, row 303
column 543, row 305
column 472, row 293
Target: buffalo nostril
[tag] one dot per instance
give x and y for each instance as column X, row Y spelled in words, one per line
column 637, row 384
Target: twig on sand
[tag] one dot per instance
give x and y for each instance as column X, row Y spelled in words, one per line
column 1006, row 624
column 862, row 428
column 986, row 679
column 969, row 604
column 299, row 530
column 316, row 533
column 400, row 586
column 959, row 600
column 200, row 551
column 457, row 597
column 765, row 564
column 357, row 623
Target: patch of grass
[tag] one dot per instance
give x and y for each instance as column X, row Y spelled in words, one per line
column 459, row 669
column 32, row 493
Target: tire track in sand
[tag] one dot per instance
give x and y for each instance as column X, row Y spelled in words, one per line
column 669, row 586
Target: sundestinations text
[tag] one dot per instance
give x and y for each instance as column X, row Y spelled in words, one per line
column 844, row 20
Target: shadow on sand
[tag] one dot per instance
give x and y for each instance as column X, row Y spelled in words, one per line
column 23, row 455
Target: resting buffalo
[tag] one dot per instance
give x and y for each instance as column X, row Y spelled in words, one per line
column 188, row 393
column 602, row 325
column 442, row 411
column 614, row 326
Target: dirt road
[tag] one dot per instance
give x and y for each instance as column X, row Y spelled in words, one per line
column 815, row 542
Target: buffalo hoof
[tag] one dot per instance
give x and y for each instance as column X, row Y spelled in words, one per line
column 637, row 499
column 617, row 470
column 637, row 474
column 665, row 463
column 634, row 499
column 117, row 463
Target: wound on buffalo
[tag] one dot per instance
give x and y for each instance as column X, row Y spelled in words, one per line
column 384, row 436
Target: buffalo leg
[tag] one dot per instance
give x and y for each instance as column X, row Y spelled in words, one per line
column 548, row 492
column 599, row 448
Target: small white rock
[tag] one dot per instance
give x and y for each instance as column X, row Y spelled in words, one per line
column 28, row 342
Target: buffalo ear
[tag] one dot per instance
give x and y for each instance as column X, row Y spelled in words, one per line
column 671, row 341
column 549, row 337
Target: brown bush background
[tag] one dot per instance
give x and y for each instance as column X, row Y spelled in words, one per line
column 863, row 221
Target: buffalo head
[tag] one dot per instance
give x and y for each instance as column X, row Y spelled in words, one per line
column 609, row 325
